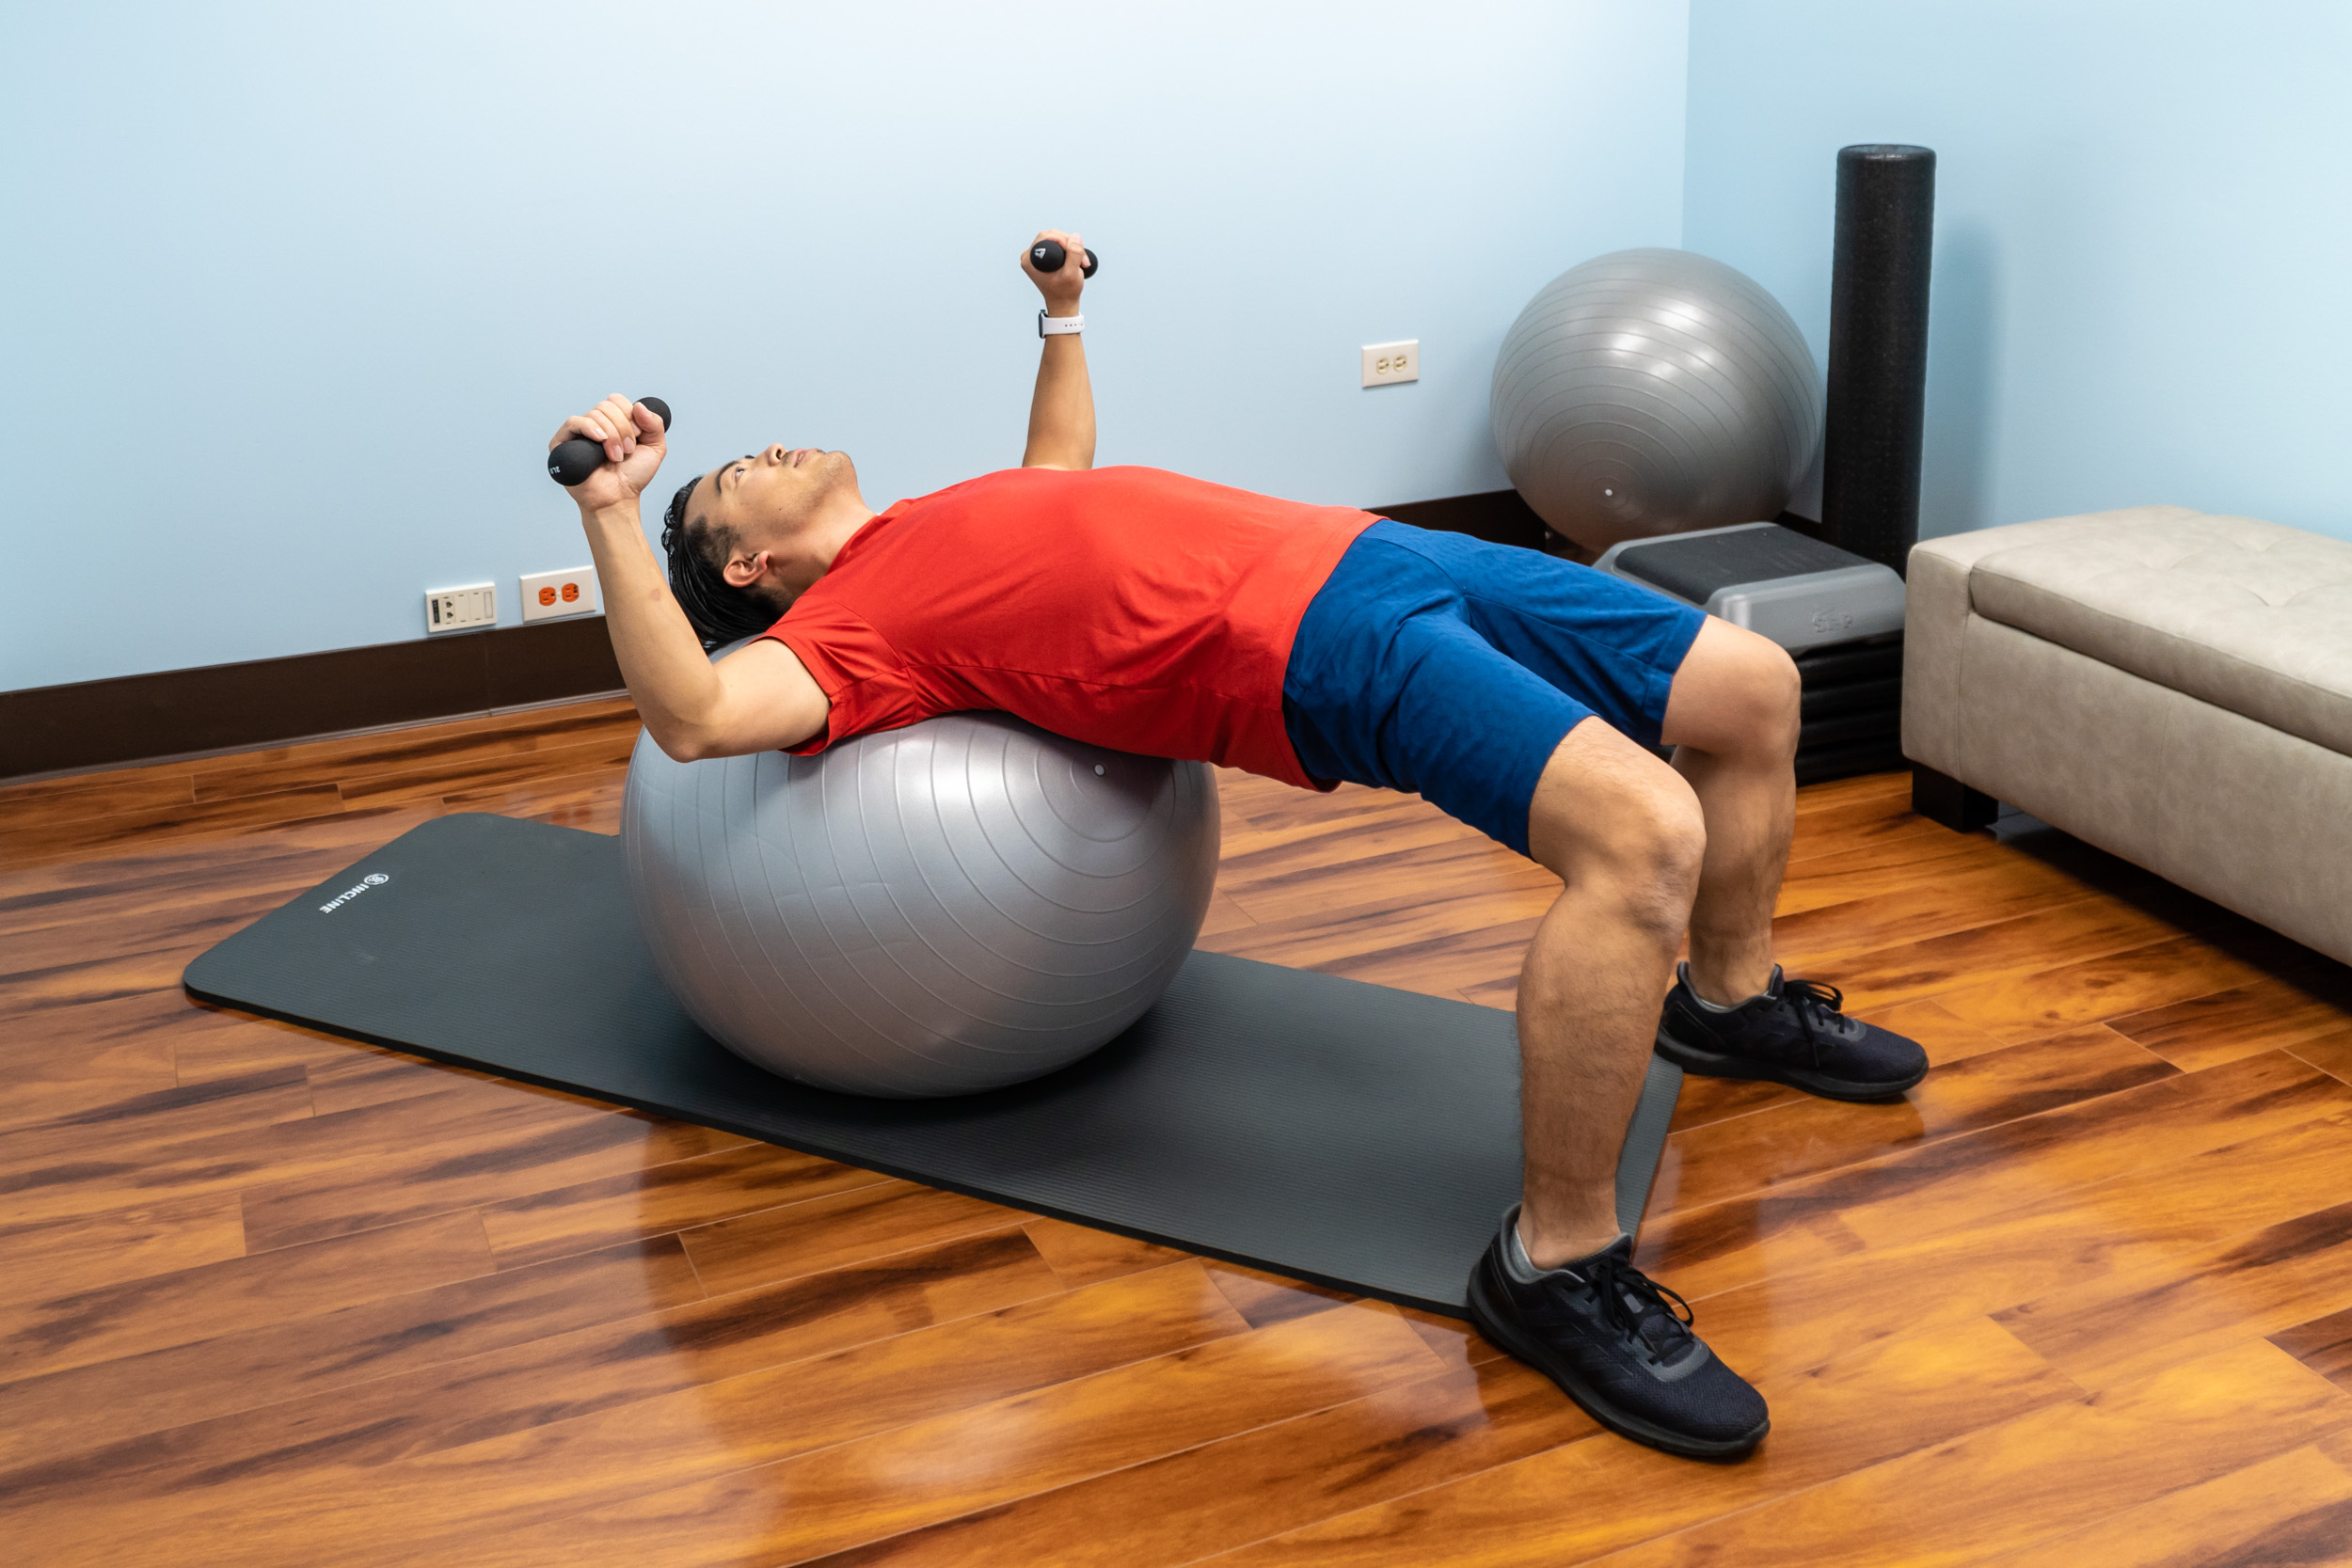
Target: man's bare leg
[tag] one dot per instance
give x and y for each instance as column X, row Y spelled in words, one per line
column 1732, row 717
column 1646, row 851
column 1623, row 832
column 1630, row 837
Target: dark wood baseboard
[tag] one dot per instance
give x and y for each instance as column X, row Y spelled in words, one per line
column 270, row 702
column 89, row 725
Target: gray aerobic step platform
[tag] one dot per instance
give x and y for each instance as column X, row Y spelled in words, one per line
column 1801, row 592
column 1344, row 1134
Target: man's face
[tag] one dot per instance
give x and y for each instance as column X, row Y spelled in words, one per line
column 766, row 498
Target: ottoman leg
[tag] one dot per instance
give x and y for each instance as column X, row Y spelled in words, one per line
column 1942, row 798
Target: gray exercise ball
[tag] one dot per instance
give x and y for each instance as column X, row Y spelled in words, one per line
column 952, row 906
column 1650, row 391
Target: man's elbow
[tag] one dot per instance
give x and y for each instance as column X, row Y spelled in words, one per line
column 688, row 743
column 774, row 721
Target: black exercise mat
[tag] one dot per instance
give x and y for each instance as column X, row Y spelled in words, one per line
column 1320, row 1128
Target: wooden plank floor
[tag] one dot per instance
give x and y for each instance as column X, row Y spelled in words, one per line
column 270, row 1298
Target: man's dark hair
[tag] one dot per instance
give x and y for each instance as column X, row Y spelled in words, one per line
column 719, row 611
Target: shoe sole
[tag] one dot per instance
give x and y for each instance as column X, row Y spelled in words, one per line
column 1503, row 1335
column 1715, row 1063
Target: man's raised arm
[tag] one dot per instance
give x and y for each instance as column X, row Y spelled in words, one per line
column 1061, row 411
column 759, row 698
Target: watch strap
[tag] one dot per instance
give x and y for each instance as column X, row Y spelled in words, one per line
column 1057, row 326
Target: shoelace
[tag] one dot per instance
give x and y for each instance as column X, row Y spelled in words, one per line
column 1816, row 1004
column 1636, row 1304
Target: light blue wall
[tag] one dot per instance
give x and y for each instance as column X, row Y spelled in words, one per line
column 2143, row 220
column 294, row 293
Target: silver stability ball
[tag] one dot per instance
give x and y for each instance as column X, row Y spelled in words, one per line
column 952, row 906
column 1650, row 391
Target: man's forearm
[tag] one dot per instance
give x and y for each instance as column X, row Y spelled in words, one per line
column 677, row 692
column 1061, row 412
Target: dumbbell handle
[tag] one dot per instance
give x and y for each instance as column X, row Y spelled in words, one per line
column 1048, row 256
column 573, row 461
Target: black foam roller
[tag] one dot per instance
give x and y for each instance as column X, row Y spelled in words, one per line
column 1878, row 350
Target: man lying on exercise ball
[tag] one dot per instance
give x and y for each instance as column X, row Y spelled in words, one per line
column 1143, row 610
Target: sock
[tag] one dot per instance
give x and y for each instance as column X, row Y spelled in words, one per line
column 1517, row 1264
column 1682, row 973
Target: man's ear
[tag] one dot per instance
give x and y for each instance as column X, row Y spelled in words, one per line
column 744, row 570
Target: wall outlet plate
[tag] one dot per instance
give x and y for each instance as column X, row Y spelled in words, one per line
column 1385, row 364
column 552, row 596
column 467, row 608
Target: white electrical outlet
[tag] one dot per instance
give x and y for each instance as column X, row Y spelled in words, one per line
column 464, row 608
column 551, row 596
column 1387, row 363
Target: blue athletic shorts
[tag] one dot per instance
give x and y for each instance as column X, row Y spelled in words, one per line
column 1446, row 667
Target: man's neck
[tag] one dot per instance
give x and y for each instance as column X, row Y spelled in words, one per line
column 831, row 529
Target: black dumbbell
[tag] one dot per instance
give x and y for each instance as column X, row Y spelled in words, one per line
column 1048, row 256
column 571, row 463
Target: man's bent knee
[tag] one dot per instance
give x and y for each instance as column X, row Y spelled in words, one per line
column 1608, row 813
column 1735, row 695
column 1656, row 861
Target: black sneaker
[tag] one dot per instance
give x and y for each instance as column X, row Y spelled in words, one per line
column 1793, row 1034
column 1603, row 1331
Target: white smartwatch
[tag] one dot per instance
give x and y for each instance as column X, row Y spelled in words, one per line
column 1055, row 327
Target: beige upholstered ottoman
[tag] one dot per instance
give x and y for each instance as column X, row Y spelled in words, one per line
column 2173, row 686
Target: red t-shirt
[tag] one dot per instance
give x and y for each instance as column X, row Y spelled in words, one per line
column 1126, row 608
